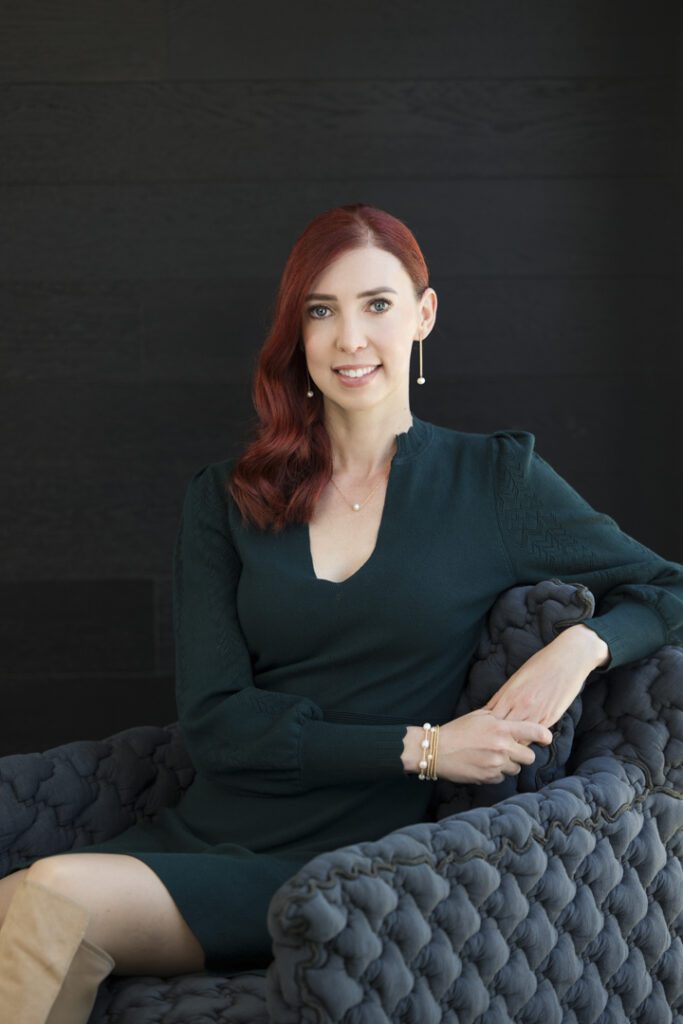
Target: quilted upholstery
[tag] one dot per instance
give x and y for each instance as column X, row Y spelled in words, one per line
column 554, row 896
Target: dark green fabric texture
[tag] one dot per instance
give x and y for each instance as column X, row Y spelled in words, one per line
column 294, row 693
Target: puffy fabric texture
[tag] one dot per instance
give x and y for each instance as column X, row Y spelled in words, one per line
column 554, row 896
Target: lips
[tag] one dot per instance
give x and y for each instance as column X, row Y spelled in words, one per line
column 338, row 369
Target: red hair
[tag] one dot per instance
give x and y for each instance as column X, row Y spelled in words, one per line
column 280, row 475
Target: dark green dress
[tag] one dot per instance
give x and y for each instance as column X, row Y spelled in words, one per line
column 294, row 693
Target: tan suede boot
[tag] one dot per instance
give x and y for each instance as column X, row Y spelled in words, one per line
column 77, row 996
column 39, row 938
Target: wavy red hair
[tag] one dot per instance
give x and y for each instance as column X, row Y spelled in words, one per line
column 280, row 475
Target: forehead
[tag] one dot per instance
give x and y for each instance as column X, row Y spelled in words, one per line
column 358, row 270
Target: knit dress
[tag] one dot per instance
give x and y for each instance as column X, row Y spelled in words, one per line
column 294, row 692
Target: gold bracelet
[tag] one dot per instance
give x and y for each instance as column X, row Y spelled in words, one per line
column 436, row 748
column 430, row 745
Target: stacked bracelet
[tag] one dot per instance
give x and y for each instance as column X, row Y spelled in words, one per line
column 430, row 745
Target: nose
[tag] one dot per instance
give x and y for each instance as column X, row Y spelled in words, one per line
column 349, row 339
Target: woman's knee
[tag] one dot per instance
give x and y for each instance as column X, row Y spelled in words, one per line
column 132, row 914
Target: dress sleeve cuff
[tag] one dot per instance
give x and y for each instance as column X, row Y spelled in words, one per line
column 334, row 753
column 631, row 630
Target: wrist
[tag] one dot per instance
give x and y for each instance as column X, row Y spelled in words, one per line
column 598, row 651
column 412, row 748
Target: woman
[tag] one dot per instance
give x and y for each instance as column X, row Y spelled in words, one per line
column 330, row 588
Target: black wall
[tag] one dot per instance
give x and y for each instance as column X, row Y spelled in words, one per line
column 158, row 159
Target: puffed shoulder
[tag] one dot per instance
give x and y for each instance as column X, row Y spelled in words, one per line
column 512, row 447
column 520, row 440
column 200, row 484
column 211, row 477
column 207, row 499
column 518, row 467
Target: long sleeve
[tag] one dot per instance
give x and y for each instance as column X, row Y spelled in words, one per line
column 549, row 531
column 250, row 738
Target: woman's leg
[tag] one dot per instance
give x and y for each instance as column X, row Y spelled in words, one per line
column 8, row 887
column 40, row 939
column 132, row 914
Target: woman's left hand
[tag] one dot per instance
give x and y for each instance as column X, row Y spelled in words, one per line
column 548, row 682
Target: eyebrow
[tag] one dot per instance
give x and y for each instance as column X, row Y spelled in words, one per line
column 361, row 295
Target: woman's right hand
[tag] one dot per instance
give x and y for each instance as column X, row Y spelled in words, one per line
column 479, row 747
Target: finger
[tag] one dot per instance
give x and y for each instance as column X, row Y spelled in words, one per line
column 522, row 754
column 532, row 732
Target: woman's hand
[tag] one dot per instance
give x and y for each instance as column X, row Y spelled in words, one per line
column 479, row 747
column 493, row 741
column 547, row 683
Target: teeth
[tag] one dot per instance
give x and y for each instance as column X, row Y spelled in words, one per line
column 357, row 373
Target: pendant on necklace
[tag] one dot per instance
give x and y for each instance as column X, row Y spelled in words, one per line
column 356, row 507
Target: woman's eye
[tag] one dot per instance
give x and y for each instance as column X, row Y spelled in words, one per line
column 310, row 311
column 313, row 309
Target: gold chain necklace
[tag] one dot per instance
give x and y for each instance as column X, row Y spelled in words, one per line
column 357, row 506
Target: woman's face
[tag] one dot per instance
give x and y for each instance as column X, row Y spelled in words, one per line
column 343, row 327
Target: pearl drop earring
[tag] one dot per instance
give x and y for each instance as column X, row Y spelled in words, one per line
column 309, row 393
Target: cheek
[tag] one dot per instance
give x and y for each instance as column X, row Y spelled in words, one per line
column 316, row 349
column 317, row 339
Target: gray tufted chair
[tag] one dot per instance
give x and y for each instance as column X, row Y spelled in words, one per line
column 553, row 896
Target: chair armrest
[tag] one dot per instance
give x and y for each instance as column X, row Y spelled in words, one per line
column 87, row 791
column 635, row 712
column 559, row 896
column 505, row 904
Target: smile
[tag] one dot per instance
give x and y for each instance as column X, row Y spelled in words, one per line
column 359, row 372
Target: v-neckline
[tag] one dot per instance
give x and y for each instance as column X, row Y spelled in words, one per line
column 380, row 533
column 408, row 443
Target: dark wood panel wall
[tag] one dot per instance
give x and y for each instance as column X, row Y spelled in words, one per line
column 158, row 161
